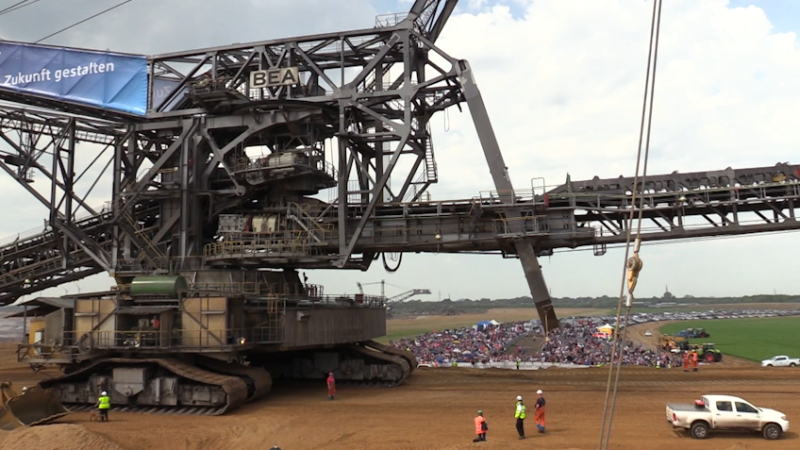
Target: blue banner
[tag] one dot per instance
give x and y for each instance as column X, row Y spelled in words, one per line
column 103, row 79
column 162, row 88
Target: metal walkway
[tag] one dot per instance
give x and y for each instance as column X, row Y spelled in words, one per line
column 576, row 214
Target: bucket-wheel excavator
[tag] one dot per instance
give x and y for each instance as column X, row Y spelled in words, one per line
column 218, row 160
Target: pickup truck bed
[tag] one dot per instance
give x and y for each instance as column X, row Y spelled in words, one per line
column 676, row 407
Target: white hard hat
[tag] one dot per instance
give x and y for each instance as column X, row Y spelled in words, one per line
column 104, row 393
column 539, row 391
column 519, row 397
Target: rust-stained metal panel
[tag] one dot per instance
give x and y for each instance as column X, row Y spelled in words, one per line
column 333, row 325
column 204, row 322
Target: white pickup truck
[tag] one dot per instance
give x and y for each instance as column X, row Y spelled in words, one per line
column 724, row 412
column 780, row 361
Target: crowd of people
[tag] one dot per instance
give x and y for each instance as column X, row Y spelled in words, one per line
column 576, row 343
column 583, row 345
column 477, row 344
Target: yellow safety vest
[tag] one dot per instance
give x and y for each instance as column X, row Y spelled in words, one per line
column 520, row 411
column 105, row 402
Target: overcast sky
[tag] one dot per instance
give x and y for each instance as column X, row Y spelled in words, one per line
column 562, row 80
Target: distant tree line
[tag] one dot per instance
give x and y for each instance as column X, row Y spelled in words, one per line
column 469, row 305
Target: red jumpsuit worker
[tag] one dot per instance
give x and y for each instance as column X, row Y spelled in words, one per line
column 694, row 361
column 539, row 414
column 686, row 362
column 331, row 386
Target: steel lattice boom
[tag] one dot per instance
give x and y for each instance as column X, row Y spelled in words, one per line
column 223, row 171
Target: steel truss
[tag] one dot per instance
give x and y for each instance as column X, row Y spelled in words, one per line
column 372, row 90
column 356, row 120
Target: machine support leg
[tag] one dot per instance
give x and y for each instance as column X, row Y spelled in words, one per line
column 505, row 189
column 537, row 285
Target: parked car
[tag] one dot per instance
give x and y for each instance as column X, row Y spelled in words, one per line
column 648, row 333
column 780, row 361
column 725, row 412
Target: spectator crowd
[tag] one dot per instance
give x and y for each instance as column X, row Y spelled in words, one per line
column 575, row 343
column 476, row 344
column 583, row 345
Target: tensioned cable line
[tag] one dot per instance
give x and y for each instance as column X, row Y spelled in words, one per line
column 16, row 6
column 633, row 264
column 83, row 21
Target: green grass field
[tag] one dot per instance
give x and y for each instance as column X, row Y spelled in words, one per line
column 753, row 339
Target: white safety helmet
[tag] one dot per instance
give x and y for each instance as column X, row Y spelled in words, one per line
column 519, row 398
column 104, row 393
column 539, row 391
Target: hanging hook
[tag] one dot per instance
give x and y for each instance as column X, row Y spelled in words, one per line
column 634, row 266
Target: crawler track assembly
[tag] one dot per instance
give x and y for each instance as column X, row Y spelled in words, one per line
column 408, row 356
column 239, row 383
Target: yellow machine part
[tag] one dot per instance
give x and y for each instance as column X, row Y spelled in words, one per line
column 35, row 407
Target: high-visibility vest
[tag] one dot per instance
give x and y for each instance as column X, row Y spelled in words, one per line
column 478, row 421
column 105, row 402
column 520, row 414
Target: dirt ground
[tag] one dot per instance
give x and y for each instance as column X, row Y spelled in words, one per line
column 433, row 410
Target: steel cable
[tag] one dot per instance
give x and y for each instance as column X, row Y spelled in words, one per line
column 19, row 5
column 83, row 21
column 618, row 343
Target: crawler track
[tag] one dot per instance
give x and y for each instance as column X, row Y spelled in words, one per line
column 408, row 356
column 257, row 379
column 369, row 351
column 234, row 386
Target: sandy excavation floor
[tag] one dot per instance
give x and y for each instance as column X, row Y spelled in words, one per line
column 434, row 410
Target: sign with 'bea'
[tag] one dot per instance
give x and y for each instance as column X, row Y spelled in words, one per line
column 276, row 76
column 103, row 79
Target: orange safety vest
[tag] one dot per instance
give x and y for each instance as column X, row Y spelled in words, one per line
column 478, row 421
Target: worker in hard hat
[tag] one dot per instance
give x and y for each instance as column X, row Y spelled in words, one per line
column 520, row 416
column 480, row 427
column 539, row 414
column 24, row 390
column 103, row 404
column 331, row 386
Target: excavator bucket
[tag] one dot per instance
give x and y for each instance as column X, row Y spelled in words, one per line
column 34, row 407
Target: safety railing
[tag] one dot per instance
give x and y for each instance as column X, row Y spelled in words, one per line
column 389, row 20
column 46, row 231
column 142, row 264
column 517, row 225
column 281, row 243
column 257, row 288
column 30, row 271
column 271, row 332
column 41, row 351
column 356, row 300
column 790, row 188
